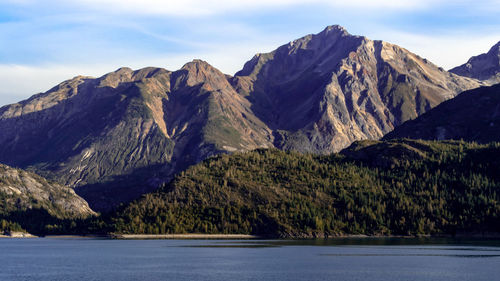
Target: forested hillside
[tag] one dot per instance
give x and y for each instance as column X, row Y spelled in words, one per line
column 401, row 187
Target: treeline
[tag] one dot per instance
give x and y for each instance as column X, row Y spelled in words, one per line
column 402, row 187
column 38, row 221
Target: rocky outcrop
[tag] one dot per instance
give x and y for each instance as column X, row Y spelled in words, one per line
column 21, row 190
column 116, row 137
column 472, row 116
column 483, row 67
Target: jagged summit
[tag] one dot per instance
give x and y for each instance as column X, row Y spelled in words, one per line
column 303, row 52
column 201, row 72
column 330, row 33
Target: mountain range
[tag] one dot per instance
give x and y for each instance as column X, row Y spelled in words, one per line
column 116, row 137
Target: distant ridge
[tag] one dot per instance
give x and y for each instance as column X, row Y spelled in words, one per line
column 472, row 116
column 483, row 67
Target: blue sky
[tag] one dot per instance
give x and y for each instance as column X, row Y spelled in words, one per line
column 45, row 42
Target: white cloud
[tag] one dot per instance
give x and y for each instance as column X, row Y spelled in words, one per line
column 212, row 7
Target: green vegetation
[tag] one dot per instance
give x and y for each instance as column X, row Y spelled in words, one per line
column 400, row 187
column 39, row 221
column 8, row 226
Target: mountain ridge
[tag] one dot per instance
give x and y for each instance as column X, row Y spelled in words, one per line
column 118, row 136
column 339, row 88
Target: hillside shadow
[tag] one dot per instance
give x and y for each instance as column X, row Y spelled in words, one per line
column 107, row 195
column 40, row 222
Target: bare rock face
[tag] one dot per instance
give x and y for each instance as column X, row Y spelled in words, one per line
column 116, row 137
column 21, row 190
column 322, row 92
column 484, row 67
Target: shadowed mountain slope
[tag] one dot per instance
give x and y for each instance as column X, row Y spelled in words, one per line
column 472, row 116
column 483, row 67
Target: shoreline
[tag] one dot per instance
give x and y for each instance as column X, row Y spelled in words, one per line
column 18, row 234
column 201, row 236
column 183, row 236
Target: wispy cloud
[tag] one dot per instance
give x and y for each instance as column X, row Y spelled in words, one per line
column 192, row 8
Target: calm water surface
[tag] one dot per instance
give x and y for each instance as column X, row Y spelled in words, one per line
column 339, row 259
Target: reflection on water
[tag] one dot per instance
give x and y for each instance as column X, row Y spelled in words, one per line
column 346, row 259
column 369, row 241
column 410, row 255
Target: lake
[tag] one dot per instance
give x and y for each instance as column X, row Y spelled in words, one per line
column 334, row 259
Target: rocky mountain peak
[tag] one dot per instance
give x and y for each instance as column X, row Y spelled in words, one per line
column 199, row 68
column 313, row 51
column 329, row 35
column 42, row 101
column 200, row 72
column 334, row 28
column 115, row 78
column 329, row 89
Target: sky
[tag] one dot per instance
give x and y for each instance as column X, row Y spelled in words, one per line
column 43, row 43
